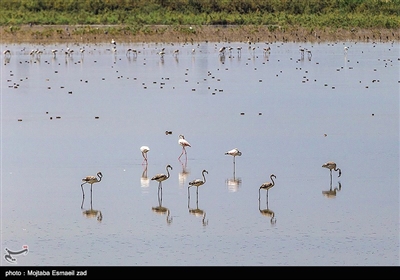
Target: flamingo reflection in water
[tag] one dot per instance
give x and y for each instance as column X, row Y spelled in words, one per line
column 91, row 213
column 267, row 212
column 144, row 180
column 161, row 210
column 183, row 175
column 331, row 193
column 197, row 211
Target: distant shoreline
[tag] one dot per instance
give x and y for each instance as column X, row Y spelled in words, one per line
column 49, row 34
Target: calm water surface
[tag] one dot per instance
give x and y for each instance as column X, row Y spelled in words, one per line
column 66, row 117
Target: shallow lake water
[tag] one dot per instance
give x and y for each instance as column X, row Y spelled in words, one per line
column 65, row 117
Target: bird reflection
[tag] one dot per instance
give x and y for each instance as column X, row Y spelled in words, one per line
column 161, row 210
column 7, row 60
column 91, row 213
column 331, row 193
column 183, row 175
column 233, row 183
column 197, row 211
column 144, row 180
column 266, row 212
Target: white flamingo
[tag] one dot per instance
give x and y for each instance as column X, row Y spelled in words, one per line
column 184, row 143
column 144, row 150
column 235, row 153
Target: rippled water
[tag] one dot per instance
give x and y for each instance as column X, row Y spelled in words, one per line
column 66, row 117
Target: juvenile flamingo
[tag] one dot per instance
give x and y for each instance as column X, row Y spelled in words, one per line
column 161, row 177
column 197, row 182
column 266, row 186
column 331, row 165
column 91, row 180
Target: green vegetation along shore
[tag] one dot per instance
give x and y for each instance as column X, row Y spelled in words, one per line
column 199, row 20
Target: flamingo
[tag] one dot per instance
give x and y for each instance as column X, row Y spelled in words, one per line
column 197, row 182
column 266, row 186
column 91, row 180
column 197, row 211
column 161, row 177
column 144, row 150
column 184, row 143
column 234, row 152
column 331, row 165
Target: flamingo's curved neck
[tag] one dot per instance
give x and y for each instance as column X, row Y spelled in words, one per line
column 204, row 177
column 273, row 183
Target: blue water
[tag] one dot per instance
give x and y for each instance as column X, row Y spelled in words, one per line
column 66, row 117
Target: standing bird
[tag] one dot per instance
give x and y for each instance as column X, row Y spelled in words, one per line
column 144, row 150
column 234, row 152
column 184, row 143
column 91, row 180
column 197, row 182
column 266, row 186
column 161, row 177
column 331, row 165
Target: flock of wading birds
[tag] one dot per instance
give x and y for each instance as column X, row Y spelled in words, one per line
column 160, row 177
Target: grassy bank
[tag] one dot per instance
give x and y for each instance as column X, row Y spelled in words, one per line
column 212, row 20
